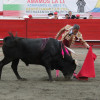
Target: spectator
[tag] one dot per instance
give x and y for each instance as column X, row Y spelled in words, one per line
column 85, row 18
column 71, row 16
column 25, row 16
column 91, row 17
column 50, row 15
column 77, row 16
column 55, row 15
column 30, row 16
column 67, row 16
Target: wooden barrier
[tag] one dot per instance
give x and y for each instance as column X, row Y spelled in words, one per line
column 45, row 28
column 13, row 26
column 37, row 28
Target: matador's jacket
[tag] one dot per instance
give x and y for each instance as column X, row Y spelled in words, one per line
column 69, row 38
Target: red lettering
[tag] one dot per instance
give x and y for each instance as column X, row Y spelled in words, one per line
column 34, row 1
column 28, row 1
column 38, row 1
column 41, row 1
column 48, row 1
column 62, row 1
column 54, row 1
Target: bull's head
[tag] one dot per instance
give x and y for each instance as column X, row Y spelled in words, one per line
column 68, row 65
column 68, row 69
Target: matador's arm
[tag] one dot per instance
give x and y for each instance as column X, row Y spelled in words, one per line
column 60, row 32
column 84, row 43
column 80, row 38
column 66, row 28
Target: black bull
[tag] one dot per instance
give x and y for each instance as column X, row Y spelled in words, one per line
column 45, row 52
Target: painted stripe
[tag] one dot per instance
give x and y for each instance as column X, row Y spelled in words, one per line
column 11, row 13
column 98, row 4
column 96, row 14
column 1, row 13
column 12, row 7
column 96, row 10
column 14, row 1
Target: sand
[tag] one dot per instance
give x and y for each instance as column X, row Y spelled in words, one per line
column 37, row 87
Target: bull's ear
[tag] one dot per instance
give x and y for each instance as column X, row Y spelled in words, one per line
column 10, row 33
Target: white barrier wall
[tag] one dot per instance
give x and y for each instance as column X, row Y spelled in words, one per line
column 1, row 5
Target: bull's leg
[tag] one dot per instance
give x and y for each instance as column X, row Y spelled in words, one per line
column 14, row 67
column 49, row 73
column 2, row 63
column 48, row 68
column 1, row 66
column 46, row 59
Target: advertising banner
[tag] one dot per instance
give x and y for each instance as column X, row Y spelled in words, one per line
column 41, row 8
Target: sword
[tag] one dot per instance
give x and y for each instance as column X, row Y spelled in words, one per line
column 72, row 51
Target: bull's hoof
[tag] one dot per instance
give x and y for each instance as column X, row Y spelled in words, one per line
column 22, row 79
column 67, row 78
column 50, row 80
column 74, row 77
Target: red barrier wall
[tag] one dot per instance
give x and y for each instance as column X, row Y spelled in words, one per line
column 12, row 26
column 37, row 28
column 43, row 28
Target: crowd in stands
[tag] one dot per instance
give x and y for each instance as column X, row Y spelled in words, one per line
column 67, row 16
column 55, row 15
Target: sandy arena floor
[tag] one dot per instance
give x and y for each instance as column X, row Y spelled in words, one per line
column 38, row 88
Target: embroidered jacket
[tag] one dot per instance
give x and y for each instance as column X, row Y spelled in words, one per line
column 71, row 37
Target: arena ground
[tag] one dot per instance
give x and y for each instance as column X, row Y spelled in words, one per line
column 38, row 88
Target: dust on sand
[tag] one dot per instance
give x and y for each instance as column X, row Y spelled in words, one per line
column 38, row 88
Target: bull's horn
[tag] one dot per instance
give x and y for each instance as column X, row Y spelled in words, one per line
column 71, row 50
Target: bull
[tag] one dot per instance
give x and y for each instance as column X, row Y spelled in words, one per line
column 45, row 52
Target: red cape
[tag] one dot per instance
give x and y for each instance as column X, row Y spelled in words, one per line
column 87, row 70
